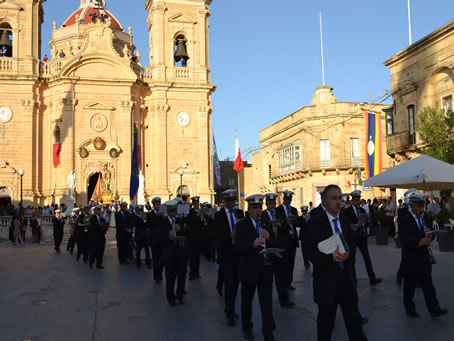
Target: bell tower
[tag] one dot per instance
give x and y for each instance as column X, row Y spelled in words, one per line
column 179, row 109
column 20, row 22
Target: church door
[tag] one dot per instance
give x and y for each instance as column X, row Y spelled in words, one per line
column 92, row 181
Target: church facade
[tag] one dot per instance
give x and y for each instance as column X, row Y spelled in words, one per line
column 75, row 116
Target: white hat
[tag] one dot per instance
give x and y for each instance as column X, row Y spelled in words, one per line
column 288, row 194
column 155, row 199
column 255, row 199
column 356, row 193
column 270, row 196
column 171, row 204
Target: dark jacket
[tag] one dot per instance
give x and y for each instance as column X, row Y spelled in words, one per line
column 293, row 240
column 142, row 232
column 282, row 237
column 350, row 212
column 58, row 226
column 172, row 250
column 327, row 276
column 415, row 258
column 196, row 226
column 153, row 222
column 123, row 226
column 223, row 235
column 252, row 267
column 97, row 231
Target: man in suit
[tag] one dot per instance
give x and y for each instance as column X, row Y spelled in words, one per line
column 153, row 218
column 416, row 262
column 173, row 252
column 83, row 223
column 303, row 224
column 123, row 224
column 403, row 210
column 142, row 235
column 196, row 225
column 96, row 237
column 225, row 221
column 357, row 217
column 58, row 225
column 333, row 278
column 255, row 271
column 289, row 215
column 280, row 232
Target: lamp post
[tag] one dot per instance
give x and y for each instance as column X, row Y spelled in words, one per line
column 21, row 174
column 181, row 172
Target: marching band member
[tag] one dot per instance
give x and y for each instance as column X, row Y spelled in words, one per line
column 142, row 235
column 153, row 218
column 123, row 223
column 96, row 237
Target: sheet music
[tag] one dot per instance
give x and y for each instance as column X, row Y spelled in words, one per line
column 183, row 209
column 328, row 246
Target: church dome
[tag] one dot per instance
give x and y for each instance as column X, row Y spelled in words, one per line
column 89, row 9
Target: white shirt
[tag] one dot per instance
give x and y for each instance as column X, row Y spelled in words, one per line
column 331, row 218
column 365, row 208
column 390, row 207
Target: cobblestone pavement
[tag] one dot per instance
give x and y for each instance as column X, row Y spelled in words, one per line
column 48, row 296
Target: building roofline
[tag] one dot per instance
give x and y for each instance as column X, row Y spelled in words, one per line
column 421, row 43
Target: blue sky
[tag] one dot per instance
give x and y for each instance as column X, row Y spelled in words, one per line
column 265, row 55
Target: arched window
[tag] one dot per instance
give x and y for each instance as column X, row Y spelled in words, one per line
column 6, row 40
column 181, row 52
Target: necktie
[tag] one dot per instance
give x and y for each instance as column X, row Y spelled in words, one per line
column 273, row 215
column 257, row 229
column 286, row 211
column 124, row 218
column 337, row 230
column 357, row 212
column 361, row 227
column 420, row 225
column 232, row 221
column 99, row 220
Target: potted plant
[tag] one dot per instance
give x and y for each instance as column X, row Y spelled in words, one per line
column 446, row 240
column 381, row 232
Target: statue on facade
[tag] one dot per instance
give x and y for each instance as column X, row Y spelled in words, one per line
column 71, row 182
column 106, row 178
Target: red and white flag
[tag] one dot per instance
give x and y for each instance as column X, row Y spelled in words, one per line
column 97, row 193
column 238, row 165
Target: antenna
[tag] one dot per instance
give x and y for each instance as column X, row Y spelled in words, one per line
column 321, row 46
column 409, row 24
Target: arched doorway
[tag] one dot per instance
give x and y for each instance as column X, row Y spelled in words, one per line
column 91, row 184
column 5, row 197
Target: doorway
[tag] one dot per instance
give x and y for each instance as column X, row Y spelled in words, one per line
column 92, row 181
column 5, row 197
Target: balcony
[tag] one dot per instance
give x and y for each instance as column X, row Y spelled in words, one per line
column 398, row 142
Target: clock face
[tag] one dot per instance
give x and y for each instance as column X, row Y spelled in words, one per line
column 5, row 114
column 183, row 119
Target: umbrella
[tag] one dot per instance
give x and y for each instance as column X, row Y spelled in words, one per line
column 423, row 172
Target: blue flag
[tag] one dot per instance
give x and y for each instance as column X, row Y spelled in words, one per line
column 134, row 184
column 217, row 165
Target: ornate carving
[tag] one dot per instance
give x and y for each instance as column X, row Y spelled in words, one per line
column 98, row 122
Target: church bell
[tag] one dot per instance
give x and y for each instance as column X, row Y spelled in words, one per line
column 181, row 52
column 4, row 41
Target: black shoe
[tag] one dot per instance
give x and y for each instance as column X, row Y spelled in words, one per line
column 247, row 334
column 219, row 292
column 172, row 303
column 180, row 300
column 77, row 259
column 149, row 266
column 231, row 321
column 287, row 304
column 91, row 265
column 157, row 281
column 439, row 313
column 185, row 292
column 399, row 281
column 375, row 281
column 364, row 320
column 290, row 287
column 99, row 266
column 269, row 337
column 191, row 278
column 198, row 277
column 413, row 314
column 307, row 266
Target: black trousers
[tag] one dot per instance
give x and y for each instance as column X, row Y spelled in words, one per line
column 428, row 290
column 220, row 281
column 352, row 318
column 175, row 271
column 280, row 269
column 82, row 247
column 122, row 248
column 143, row 244
column 361, row 244
column 303, row 253
column 57, row 240
column 97, row 248
column 195, row 248
column 291, row 262
column 230, row 272
column 265, row 292
column 71, row 243
column 156, row 252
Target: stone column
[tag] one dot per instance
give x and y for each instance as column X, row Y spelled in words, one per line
column 205, row 171
column 159, row 150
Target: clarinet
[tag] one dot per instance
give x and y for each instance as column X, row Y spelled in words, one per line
column 265, row 254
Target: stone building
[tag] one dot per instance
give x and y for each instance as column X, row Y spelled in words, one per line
column 422, row 75
column 91, row 95
column 320, row 144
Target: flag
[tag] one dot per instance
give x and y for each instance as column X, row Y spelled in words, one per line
column 217, row 165
column 56, row 155
column 97, row 192
column 134, row 183
column 238, row 165
column 373, row 147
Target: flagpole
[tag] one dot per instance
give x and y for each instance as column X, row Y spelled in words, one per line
column 321, row 47
column 409, row 24
column 239, row 190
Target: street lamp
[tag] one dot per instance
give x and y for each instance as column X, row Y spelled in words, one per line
column 21, row 174
column 181, row 172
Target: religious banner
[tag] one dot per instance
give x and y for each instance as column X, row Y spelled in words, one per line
column 373, row 147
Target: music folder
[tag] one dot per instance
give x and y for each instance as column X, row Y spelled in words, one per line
column 328, row 246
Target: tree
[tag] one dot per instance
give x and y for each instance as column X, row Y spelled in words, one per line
column 436, row 130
